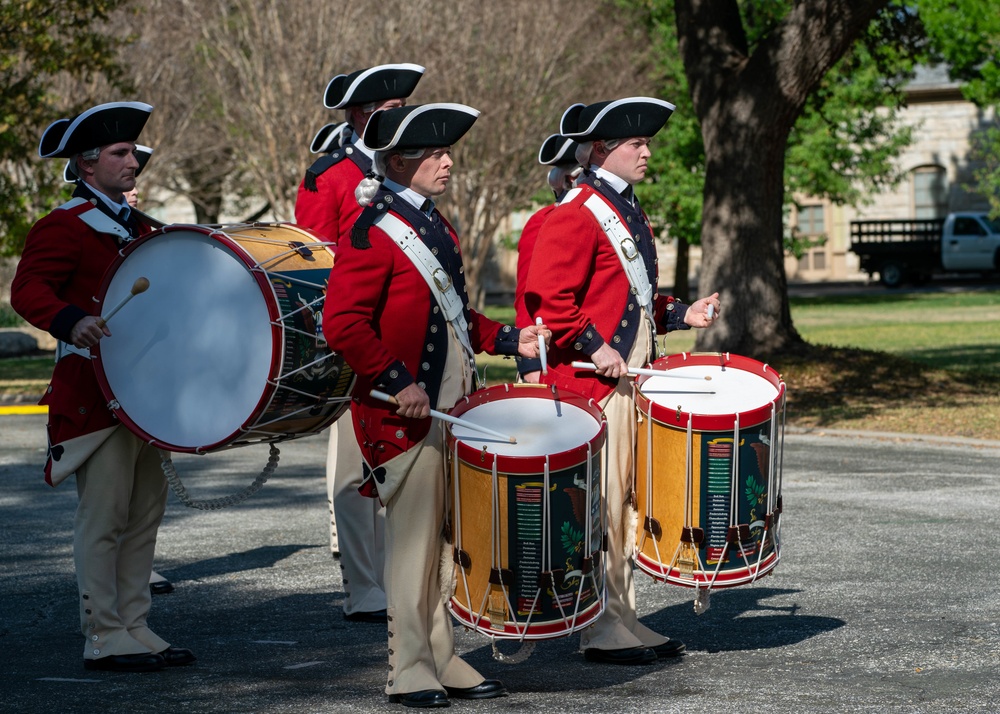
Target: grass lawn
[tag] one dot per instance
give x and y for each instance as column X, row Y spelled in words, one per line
column 926, row 363
column 923, row 363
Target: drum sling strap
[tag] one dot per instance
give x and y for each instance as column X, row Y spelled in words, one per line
column 626, row 249
column 437, row 278
column 102, row 224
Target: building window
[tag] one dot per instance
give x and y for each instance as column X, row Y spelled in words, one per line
column 930, row 192
column 811, row 220
column 812, row 227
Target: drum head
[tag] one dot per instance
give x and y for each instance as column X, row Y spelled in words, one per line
column 189, row 359
column 729, row 391
column 541, row 426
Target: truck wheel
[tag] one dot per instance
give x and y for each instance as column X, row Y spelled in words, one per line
column 891, row 275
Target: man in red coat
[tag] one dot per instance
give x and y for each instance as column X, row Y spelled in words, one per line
column 400, row 317
column 326, row 205
column 325, row 201
column 593, row 280
column 121, row 487
column 158, row 585
column 560, row 153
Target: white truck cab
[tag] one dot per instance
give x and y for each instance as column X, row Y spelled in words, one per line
column 970, row 241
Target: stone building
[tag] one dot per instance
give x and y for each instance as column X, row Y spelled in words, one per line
column 938, row 171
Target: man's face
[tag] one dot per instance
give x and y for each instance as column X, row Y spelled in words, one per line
column 628, row 159
column 359, row 117
column 428, row 175
column 113, row 171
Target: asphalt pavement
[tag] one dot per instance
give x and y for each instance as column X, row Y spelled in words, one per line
column 886, row 598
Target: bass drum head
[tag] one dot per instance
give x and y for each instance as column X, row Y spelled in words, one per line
column 189, row 359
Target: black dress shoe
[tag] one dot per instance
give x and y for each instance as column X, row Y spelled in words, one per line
column 670, row 648
column 379, row 616
column 142, row 662
column 161, row 587
column 177, row 656
column 487, row 689
column 629, row 655
column 423, row 698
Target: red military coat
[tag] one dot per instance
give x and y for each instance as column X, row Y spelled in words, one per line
column 381, row 315
column 577, row 285
column 57, row 279
column 525, row 247
column 325, row 202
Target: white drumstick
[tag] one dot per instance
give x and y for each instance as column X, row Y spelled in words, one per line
column 711, row 311
column 382, row 396
column 541, row 348
column 637, row 371
column 139, row 286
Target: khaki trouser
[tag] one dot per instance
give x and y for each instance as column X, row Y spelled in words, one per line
column 123, row 494
column 357, row 523
column 421, row 641
column 618, row 626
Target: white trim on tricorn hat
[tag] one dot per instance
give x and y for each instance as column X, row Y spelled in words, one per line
column 330, row 137
column 98, row 126
column 617, row 119
column 375, row 84
column 558, row 150
column 422, row 126
column 142, row 155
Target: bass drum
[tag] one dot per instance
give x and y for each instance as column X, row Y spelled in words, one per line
column 225, row 348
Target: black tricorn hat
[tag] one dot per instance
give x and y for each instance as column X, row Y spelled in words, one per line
column 617, row 119
column 422, row 126
column 98, row 126
column 142, row 155
column 558, row 150
column 330, row 138
column 375, row 84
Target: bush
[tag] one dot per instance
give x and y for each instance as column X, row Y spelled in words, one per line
column 9, row 318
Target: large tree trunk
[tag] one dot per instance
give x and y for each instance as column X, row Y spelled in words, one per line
column 742, row 252
column 682, row 283
column 747, row 104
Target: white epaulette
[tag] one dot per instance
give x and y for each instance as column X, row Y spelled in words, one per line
column 99, row 221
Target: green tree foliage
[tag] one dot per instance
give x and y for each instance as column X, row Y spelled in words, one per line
column 841, row 148
column 44, row 42
column 965, row 35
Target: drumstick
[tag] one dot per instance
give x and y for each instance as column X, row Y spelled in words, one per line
column 139, row 286
column 541, row 348
column 447, row 417
column 636, row 371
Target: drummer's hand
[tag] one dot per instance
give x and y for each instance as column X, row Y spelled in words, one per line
column 527, row 345
column 609, row 362
column 532, row 377
column 697, row 313
column 413, row 402
column 86, row 333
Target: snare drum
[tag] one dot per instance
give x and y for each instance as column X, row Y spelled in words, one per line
column 226, row 346
column 528, row 517
column 708, row 470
